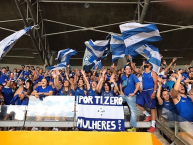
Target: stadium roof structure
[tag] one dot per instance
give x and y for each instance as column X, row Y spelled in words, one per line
column 68, row 24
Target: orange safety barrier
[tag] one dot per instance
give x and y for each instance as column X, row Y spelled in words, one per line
column 74, row 138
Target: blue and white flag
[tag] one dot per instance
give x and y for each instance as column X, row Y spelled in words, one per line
column 151, row 53
column 59, row 66
column 136, row 35
column 7, row 43
column 64, row 55
column 117, row 47
column 100, row 113
column 93, row 53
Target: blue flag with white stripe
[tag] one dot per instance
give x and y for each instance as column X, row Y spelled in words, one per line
column 93, row 53
column 64, row 59
column 7, row 43
column 100, row 113
column 151, row 53
column 117, row 47
column 59, row 66
column 64, row 55
column 136, row 35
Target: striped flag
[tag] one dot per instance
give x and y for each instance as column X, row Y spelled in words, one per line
column 64, row 59
column 59, row 66
column 93, row 53
column 117, row 47
column 64, row 55
column 136, row 35
column 151, row 53
column 7, row 43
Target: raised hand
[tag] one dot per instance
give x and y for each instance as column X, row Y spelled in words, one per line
column 57, row 72
column 54, row 75
column 159, row 84
column 129, row 57
column 113, row 66
column 112, row 78
column 104, row 71
column 164, row 62
column 179, row 74
column 82, row 71
column 174, row 59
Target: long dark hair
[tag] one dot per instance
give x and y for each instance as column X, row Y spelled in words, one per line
column 30, row 89
column 69, row 89
column 109, row 85
column 170, row 99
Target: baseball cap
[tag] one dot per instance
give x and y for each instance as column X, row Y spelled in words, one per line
column 147, row 62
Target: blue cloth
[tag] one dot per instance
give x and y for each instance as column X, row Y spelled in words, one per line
column 185, row 108
column 140, row 34
column 39, row 89
column 169, row 106
column 67, row 93
column 93, row 53
column 8, row 42
column 54, row 91
column 108, row 77
column 26, row 73
column 131, row 101
column 3, row 77
column 25, row 101
column 110, row 93
column 169, row 110
column 118, row 47
column 20, row 73
column 151, row 53
column 170, row 84
column 39, row 79
column 147, row 81
column 7, row 94
column 91, row 92
column 145, row 97
column 131, row 82
column 79, row 92
column 64, row 55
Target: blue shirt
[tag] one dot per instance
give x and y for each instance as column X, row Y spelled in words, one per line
column 7, row 94
column 147, row 80
column 39, row 79
column 67, row 93
column 91, row 92
column 110, row 93
column 185, row 108
column 131, row 82
column 3, row 77
column 39, row 89
column 79, row 92
column 55, row 92
column 169, row 106
column 26, row 73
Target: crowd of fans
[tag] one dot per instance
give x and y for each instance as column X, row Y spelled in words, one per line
column 170, row 89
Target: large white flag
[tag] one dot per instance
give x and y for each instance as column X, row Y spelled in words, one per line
column 103, row 113
column 7, row 43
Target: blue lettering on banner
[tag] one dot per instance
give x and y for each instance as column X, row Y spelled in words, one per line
column 100, row 124
column 103, row 119
column 100, row 100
